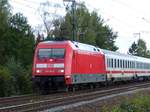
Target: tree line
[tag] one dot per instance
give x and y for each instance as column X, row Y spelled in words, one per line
column 139, row 48
column 16, row 52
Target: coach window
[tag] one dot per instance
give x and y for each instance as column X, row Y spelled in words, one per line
column 115, row 63
column 133, row 64
column 118, row 63
column 107, row 62
column 130, row 64
column 144, row 65
column 112, row 63
column 123, row 63
column 140, row 65
column 137, row 65
column 126, row 64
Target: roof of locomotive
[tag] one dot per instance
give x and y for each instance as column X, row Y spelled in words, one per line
column 75, row 45
column 86, row 47
column 53, row 42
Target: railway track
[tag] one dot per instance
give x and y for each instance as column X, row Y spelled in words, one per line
column 53, row 101
column 22, row 99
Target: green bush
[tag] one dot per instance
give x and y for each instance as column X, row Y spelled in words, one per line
column 21, row 77
column 6, row 87
column 139, row 104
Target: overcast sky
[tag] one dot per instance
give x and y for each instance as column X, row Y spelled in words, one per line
column 130, row 18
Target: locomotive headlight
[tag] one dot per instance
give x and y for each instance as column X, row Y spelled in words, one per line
column 38, row 71
column 61, row 71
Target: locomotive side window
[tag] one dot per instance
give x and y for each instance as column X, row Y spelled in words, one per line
column 51, row 53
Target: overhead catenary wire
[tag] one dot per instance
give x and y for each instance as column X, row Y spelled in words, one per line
column 112, row 17
column 137, row 11
column 27, row 4
column 22, row 4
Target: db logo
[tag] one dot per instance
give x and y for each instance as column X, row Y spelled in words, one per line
column 50, row 65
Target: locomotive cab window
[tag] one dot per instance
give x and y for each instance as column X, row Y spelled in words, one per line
column 51, row 53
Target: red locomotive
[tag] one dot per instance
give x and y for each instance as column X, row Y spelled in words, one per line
column 69, row 64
